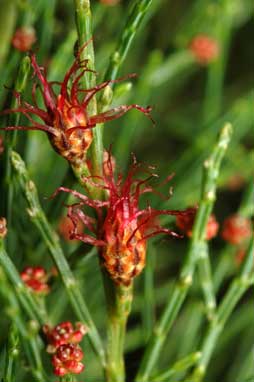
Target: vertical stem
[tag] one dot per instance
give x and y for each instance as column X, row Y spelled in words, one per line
column 11, row 138
column 133, row 22
column 11, row 354
column 85, row 33
column 196, row 249
column 119, row 299
column 235, row 291
column 52, row 242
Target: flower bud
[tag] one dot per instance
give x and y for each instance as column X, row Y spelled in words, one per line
column 36, row 279
column 64, row 333
column 204, row 48
column 185, row 224
column 24, row 38
column 236, row 229
column 67, row 360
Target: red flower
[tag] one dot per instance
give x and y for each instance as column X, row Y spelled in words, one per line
column 64, row 333
column 204, row 48
column 24, row 38
column 36, row 279
column 236, row 229
column 185, row 224
column 66, row 118
column 121, row 231
column 67, row 360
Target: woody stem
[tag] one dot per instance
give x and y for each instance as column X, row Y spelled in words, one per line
column 119, row 299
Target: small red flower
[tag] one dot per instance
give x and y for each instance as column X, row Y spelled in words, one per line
column 24, row 38
column 64, row 333
column 66, row 118
column 236, row 229
column 67, row 360
column 122, row 230
column 36, row 279
column 204, row 48
column 185, row 224
column 66, row 227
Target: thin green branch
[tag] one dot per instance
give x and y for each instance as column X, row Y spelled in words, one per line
column 26, row 331
column 197, row 249
column 52, row 242
column 134, row 19
column 235, row 291
column 11, row 137
column 25, row 297
column 179, row 367
column 85, row 33
column 12, row 351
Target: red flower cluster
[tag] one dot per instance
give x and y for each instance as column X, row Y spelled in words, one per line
column 36, row 278
column 63, row 342
column 67, row 360
column 204, row 48
column 121, row 229
column 24, row 38
column 236, row 229
column 66, row 119
column 185, row 224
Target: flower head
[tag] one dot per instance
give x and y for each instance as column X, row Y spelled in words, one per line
column 63, row 333
column 236, row 229
column 185, row 224
column 204, row 48
column 24, row 38
column 121, row 229
column 66, row 118
column 67, row 360
column 36, row 279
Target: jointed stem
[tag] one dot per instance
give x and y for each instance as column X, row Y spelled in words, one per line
column 197, row 249
column 52, row 242
column 235, row 291
column 11, row 137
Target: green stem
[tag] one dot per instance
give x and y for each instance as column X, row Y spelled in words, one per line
column 85, row 33
column 26, row 298
column 119, row 299
column 67, row 378
column 134, row 19
column 11, row 138
column 12, row 352
column 235, row 291
column 52, row 242
column 178, row 367
column 196, row 250
column 28, row 336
